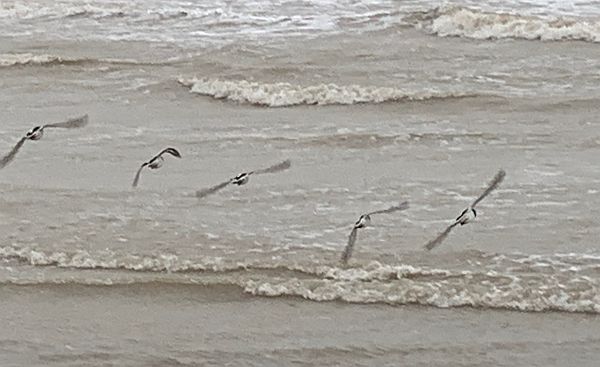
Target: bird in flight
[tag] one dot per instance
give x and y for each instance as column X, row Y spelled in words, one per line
column 243, row 178
column 362, row 222
column 155, row 163
column 38, row 132
column 469, row 214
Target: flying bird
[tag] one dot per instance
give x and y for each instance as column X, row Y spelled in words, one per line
column 243, row 178
column 469, row 214
column 37, row 133
column 155, row 163
column 362, row 222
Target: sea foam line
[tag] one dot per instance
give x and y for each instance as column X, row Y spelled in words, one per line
column 524, row 289
column 29, row 59
column 472, row 23
column 287, row 94
column 517, row 295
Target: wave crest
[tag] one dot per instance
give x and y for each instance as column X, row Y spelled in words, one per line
column 406, row 284
column 7, row 60
column 28, row 59
column 81, row 259
column 286, row 94
column 471, row 23
column 535, row 283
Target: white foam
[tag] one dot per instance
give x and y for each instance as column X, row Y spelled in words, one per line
column 286, row 94
column 23, row 59
column 561, row 282
column 569, row 288
column 28, row 59
column 471, row 23
column 518, row 295
column 58, row 9
column 378, row 271
column 81, row 259
column 538, row 204
column 188, row 22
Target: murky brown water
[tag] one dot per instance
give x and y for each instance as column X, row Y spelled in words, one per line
column 370, row 113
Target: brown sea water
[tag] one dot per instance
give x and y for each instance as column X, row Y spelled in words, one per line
column 374, row 103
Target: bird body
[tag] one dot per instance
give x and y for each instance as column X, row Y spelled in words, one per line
column 37, row 133
column 363, row 222
column 469, row 214
column 155, row 163
column 243, row 178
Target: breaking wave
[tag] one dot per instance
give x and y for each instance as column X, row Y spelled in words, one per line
column 472, row 23
column 97, row 11
column 535, row 283
column 185, row 21
column 7, row 60
column 110, row 261
column 286, row 94
column 28, row 59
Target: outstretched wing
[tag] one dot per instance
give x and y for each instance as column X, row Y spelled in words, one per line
column 137, row 175
column 491, row 187
column 71, row 123
column 172, row 151
column 276, row 168
column 401, row 206
column 439, row 239
column 349, row 247
column 211, row 190
column 11, row 155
